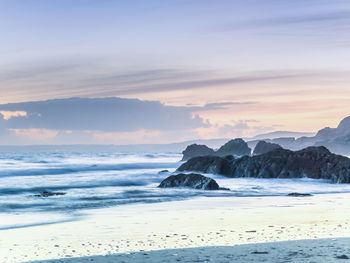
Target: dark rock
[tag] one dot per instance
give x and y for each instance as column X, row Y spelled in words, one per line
column 259, row 253
column 209, row 164
column 195, row 181
column 285, row 142
column 163, row 171
column 236, row 147
column 264, row 147
column 47, row 194
column 299, row 194
column 342, row 257
column 311, row 162
column 195, row 150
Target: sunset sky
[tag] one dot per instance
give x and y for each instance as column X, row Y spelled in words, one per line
column 155, row 71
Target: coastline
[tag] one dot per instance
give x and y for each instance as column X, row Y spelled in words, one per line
column 199, row 222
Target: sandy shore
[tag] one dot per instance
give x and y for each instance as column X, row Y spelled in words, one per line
column 318, row 250
column 201, row 222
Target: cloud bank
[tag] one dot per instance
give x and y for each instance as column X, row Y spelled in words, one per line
column 101, row 114
column 112, row 121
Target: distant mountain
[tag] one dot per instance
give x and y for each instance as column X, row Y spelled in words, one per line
column 280, row 134
column 337, row 140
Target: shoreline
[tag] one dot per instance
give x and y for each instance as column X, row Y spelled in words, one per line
column 298, row 251
column 199, row 222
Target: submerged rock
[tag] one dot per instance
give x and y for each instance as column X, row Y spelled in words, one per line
column 236, row 147
column 342, row 257
column 47, row 194
column 311, row 162
column 298, row 194
column 264, row 147
column 195, row 181
column 195, row 150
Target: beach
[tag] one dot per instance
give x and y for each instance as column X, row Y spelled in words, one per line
column 110, row 208
column 174, row 131
column 302, row 251
column 200, row 222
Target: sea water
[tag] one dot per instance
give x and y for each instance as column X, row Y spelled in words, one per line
column 106, row 180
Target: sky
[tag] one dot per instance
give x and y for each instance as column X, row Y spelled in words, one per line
column 155, row 71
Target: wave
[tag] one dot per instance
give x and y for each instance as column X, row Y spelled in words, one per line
column 39, row 189
column 40, row 223
column 84, row 168
column 99, row 180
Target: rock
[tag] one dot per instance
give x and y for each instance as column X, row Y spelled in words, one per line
column 47, row 194
column 311, row 162
column 299, row 194
column 195, row 181
column 209, row 164
column 264, row 147
column 342, row 257
column 236, row 147
column 163, row 171
column 195, row 150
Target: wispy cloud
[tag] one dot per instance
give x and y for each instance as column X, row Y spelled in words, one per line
column 335, row 18
column 204, row 83
column 327, row 27
column 90, row 78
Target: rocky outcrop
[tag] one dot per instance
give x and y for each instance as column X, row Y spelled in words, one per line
column 236, row 147
column 209, row 164
column 195, row 181
column 195, row 150
column 264, row 147
column 311, row 162
column 284, row 142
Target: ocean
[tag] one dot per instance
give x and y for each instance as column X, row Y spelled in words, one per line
column 104, row 180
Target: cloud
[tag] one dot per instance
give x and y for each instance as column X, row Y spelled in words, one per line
column 242, row 128
column 117, row 121
column 327, row 26
column 340, row 17
column 101, row 114
column 110, row 120
column 206, row 83
column 223, row 105
column 6, row 136
column 94, row 78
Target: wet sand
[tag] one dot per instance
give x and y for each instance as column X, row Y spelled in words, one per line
column 196, row 223
column 319, row 250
